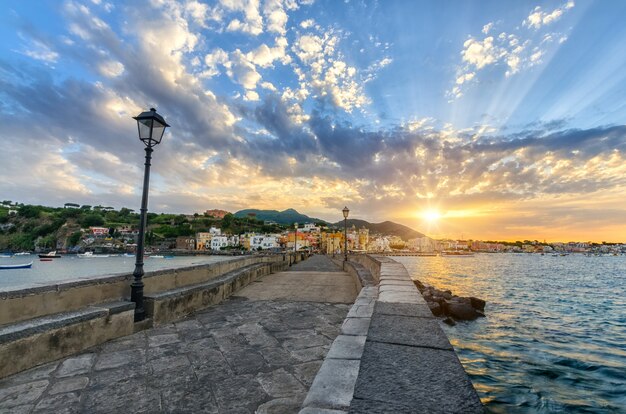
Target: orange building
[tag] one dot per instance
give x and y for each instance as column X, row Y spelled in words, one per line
column 216, row 213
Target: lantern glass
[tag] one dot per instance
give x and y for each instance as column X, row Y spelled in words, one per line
column 145, row 128
column 346, row 211
column 151, row 127
column 158, row 129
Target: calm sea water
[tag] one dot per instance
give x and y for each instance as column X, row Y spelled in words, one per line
column 72, row 267
column 554, row 339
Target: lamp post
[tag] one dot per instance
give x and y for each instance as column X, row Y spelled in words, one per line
column 295, row 242
column 345, row 211
column 151, row 127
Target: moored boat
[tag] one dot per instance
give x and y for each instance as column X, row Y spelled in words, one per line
column 457, row 253
column 88, row 255
column 16, row 266
column 50, row 255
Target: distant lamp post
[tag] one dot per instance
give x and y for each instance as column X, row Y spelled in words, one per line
column 346, row 211
column 295, row 239
column 151, row 127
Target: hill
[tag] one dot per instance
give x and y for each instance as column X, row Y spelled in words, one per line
column 288, row 216
column 386, row 227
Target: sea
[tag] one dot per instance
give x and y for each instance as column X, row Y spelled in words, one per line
column 554, row 336
column 73, row 267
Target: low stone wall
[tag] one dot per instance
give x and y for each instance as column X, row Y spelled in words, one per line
column 44, row 323
column 27, row 344
column 40, row 300
column 371, row 263
column 171, row 305
column 392, row 355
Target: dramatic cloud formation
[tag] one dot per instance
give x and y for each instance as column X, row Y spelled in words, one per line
column 274, row 106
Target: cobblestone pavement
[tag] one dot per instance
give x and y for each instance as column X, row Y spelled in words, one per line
column 242, row 356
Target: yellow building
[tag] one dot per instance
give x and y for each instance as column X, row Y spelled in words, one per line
column 332, row 243
column 203, row 241
column 364, row 238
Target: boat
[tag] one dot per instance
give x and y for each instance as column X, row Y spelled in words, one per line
column 457, row 253
column 16, row 266
column 50, row 255
column 22, row 254
column 5, row 256
column 88, row 255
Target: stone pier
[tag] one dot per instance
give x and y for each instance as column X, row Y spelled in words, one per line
column 312, row 339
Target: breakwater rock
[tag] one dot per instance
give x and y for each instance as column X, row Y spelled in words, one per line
column 451, row 307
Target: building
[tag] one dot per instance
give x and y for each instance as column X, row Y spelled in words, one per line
column 216, row 213
column 423, row 245
column 99, row 231
column 264, row 242
column 203, row 241
column 310, row 228
column 185, row 243
column 218, row 242
column 363, row 239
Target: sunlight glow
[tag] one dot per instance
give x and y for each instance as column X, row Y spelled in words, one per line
column 431, row 215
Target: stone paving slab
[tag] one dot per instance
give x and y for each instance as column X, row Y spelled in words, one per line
column 334, row 287
column 427, row 380
column 407, row 330
column 242, row 356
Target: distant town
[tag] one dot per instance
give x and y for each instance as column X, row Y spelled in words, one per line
column 78, row 228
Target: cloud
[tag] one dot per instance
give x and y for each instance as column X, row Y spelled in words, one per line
column 252, row 23
column 305, row 24
column 323, row 70
column 111, row 69
column 508, row 50
column 538, row 18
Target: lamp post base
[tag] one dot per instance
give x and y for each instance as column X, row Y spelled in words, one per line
column 136, row 295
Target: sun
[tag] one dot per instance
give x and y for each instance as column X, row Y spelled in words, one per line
column 431, row 215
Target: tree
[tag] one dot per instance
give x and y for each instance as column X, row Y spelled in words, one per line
column 85, row 207
column 30, row 211
column 74, row 238
column 91, row 220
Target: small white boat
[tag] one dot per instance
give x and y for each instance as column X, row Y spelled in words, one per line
column 89, row 255
column 22, row 254
column 16, row 266
column 5, row 256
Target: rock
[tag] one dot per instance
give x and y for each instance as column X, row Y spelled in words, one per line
column 462, row 311
column 449, row 321
column 420, row 286
column 446, row 294
column 435, row 308
column 477, row 303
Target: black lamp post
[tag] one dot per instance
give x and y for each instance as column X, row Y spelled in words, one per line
column 151, row 127
column 295, row 242
column 346, row 211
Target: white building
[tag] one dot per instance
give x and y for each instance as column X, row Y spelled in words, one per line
column 264, row 242
column 422, row 244
column 214, row 231
column 310, row 228
column 380, row 244
column 217, row 242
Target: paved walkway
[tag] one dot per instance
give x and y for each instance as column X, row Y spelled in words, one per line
column 258, row 351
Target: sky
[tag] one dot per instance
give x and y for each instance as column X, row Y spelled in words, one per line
column 488, row 120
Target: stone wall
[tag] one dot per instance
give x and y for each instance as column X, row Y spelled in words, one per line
column 23, row 304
